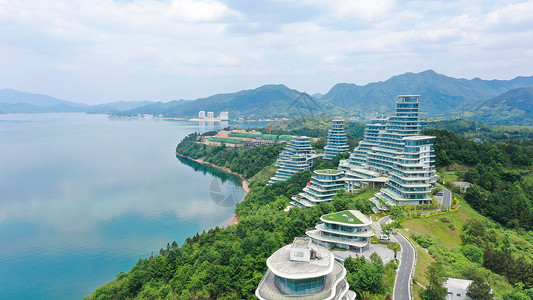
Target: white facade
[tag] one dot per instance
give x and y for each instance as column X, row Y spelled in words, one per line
column 337, row 140
column 201, row 114
column 323, row 187
column 210, row 115
column 304, row 271
column 394, row 153
column 349, row 229
column 297, row 156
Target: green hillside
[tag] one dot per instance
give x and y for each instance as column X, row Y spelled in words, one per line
column 441, row 95
column 268, row 101
column 514, row 107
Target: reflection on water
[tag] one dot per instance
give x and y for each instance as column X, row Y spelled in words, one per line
column 83, row 198
column 207, row 169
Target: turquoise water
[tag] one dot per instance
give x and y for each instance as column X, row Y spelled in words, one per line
column 83, row 197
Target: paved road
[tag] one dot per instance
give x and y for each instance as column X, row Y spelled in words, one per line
column 402, row 284
column 446, row 198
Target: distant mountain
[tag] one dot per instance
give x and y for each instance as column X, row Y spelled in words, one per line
column 317, row 95
column 114, row 107
column 440, row 95
column 9, row 96
column 514, row 107
column 268, row 101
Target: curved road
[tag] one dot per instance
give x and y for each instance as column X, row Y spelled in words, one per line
column 402, row 284
column 446, row 197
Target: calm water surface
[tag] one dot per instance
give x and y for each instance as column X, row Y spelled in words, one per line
column 83, row 198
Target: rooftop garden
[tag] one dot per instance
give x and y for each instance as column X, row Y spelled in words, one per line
column 332, row 172
column 342, row 217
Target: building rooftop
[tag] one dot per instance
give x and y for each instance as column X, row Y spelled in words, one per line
column 352, row 217
column 457, row 284
column 332, row 172
column 281, row 264
column 418, row 137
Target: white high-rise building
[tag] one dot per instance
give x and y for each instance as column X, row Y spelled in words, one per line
column 297, row 156
column 201, row 114
column 224, row 115
column 210, row 115
column 337, row 140
column 394, row 153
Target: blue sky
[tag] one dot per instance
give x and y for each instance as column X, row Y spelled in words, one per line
column 96, row 51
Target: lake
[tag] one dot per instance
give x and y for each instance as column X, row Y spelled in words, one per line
column 83, row 197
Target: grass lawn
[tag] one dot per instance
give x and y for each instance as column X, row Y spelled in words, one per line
column 441, row 230
column 340, row 217
column 448, row 177
column 367, row 194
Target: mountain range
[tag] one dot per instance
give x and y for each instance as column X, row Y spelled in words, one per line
column 494, row 101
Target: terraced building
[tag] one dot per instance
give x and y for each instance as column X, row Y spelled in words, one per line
column 337, row 140
column 297, row 156
column 393, row 153
column 348, row 229
column 323, row 186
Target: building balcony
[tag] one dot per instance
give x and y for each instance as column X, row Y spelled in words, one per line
column 315, row 235
column 333, row 289
column 368, row 233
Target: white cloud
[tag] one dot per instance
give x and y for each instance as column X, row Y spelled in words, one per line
column 101, row 48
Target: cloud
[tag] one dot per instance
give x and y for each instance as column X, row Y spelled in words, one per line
column 97, row 50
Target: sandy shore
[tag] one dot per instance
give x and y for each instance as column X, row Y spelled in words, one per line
column 244, row 182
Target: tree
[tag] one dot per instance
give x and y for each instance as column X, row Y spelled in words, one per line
column 479, row 289
column 436, row 289
column 397, row 213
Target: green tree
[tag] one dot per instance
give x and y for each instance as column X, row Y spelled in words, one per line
column 436, row 289
column 479, row 289
column 397, row 213
column 473, row 253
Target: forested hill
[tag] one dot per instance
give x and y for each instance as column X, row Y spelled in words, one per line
column 441, row 95
column 500, row 172
column 514, row 107
column 268, row 101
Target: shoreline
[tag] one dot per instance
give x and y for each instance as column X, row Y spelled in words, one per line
column 244, row 182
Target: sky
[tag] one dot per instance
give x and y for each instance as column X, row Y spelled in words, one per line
column 97, row 51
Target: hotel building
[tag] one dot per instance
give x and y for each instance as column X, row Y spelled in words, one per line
column 337, row 141
column 304, row 271
column 393, row 153
column 348, row 229
column 323, row 186
column 297, row 156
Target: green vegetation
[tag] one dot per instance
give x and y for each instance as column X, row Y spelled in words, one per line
column 499, row 191
column 472, row 130
column 243, row 160
column 225, row 140
column 342, row 217
column 371, row 279
column 436, row 277
column 472, row 249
